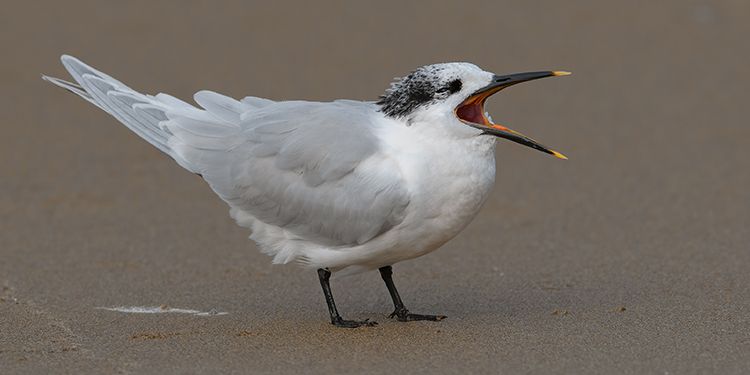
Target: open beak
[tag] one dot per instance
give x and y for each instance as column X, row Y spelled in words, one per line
column 471, row 111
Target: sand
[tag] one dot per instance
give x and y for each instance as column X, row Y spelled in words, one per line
column 631, row 257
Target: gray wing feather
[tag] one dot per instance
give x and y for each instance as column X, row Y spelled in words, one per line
column 256, row 102
column 72, row 87
column 310, row 168
column 297, row 168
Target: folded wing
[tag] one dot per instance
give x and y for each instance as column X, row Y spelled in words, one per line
column 312, row 169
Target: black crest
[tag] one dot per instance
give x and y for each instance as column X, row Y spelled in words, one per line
column 421, row 87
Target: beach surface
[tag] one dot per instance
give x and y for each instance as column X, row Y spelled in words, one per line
column 632, row 257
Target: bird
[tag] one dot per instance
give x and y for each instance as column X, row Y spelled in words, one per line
column 340, row 187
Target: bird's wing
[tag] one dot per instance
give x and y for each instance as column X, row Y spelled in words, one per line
column 313, row 169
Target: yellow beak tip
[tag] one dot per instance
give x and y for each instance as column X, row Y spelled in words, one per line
column 559, row 73
column 559, row 155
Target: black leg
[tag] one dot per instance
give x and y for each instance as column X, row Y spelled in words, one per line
column 324, row 275
column 401, row 313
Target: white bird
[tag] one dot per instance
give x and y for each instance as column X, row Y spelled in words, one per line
column 339, row 186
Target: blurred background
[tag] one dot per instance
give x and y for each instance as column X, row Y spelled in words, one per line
column 631, row 257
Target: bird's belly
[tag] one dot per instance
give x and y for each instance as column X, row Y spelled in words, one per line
column 450, row 208
column 446, row 196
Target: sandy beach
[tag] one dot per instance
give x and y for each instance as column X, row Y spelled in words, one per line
column 632, row 257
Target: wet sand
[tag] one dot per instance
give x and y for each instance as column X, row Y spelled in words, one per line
column 631, row 257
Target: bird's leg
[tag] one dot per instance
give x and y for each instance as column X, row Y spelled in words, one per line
column 324, row 275
column 401, row 313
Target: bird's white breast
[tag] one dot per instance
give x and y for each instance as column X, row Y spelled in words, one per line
column 449, row 178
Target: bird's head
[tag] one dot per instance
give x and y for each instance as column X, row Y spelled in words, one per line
column 458, row 90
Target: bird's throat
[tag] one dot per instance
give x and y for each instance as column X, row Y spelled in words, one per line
column 472, row 109
column 472, row 112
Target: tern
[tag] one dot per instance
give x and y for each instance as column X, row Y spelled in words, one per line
column 344, row 186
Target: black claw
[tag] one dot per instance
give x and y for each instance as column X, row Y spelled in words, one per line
column 401, row 313
column 324, row 275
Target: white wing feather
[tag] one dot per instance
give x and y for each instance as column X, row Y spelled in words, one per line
column 311, row 169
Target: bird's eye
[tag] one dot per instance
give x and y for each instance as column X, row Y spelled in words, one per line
column 452, row 87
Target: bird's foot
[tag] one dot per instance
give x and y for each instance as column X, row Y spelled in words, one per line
column 403, row 315
column 341, row 323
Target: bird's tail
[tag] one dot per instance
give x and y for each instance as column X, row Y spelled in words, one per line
column 72, row 87
column 186, row 133
column 140, row 113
